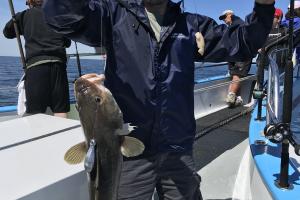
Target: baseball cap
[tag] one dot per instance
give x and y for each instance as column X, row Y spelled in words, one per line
column 278, row 13
column 224, row 13
column 296, row 4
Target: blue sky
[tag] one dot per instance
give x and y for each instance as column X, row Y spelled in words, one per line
column 211, row 8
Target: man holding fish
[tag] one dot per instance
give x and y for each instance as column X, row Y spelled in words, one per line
column 151, row 49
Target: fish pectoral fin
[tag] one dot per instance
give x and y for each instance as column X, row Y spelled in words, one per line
column 76, row 154
column 132, row 147
column 126, row 129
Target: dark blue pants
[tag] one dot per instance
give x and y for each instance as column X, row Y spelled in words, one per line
column 172, row 174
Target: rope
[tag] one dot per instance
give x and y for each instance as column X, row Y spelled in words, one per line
column 221, row 123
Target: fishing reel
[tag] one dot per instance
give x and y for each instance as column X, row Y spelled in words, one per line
column 259, row 94
column 276, row 133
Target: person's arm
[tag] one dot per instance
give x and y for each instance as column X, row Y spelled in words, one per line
column 9, row 29
column 240, row 42
column 81, row 20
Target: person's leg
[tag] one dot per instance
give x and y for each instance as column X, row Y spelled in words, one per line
column 177, row 178
column 63, row 115
column 234, row 87
column 60, row 104
column 238, row 71
column 37, row 89
column 138, row 179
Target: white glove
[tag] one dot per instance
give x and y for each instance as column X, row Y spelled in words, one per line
column 200, row 43
column 265, row 1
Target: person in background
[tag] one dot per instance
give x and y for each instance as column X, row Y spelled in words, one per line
column 152, row 46
column 276, row 33
column 46, row 82
column 285, row 23
column 237, row 70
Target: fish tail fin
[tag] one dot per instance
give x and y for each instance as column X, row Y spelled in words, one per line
column 132, row 147
column 76, row 154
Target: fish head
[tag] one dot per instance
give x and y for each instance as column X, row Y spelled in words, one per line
column 96, row 104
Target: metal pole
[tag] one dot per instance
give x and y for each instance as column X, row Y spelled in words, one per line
column 78, row 61
column 287, row 102
column 260, row 82
column 13, row 15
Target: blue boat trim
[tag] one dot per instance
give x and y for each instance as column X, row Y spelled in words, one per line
column 4, row 109
column 214, row 78
column 267, row 161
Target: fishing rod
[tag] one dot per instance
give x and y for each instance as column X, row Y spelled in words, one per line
column 280, row 132
column 283, row 181
column 13, row 15
column 78, row 61
column 259, row 92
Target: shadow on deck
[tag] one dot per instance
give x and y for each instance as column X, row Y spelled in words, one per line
column 212, row 145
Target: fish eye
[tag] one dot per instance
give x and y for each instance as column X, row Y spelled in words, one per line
column 98, row 99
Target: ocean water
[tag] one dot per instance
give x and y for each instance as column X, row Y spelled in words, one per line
column 11, row 71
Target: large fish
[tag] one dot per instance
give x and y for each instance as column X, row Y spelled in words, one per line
column 101, row 120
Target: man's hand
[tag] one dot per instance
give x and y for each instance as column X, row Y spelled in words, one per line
column 265, row 1
column 200, row 43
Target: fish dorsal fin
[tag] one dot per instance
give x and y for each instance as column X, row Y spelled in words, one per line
column 132, row 147
column 76, row 154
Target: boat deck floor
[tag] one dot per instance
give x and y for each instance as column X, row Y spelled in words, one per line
column 218, row 154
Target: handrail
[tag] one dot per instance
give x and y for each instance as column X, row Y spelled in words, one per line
column 225, row 83
column 84, row 54
column 221, row 64
column 273, row 99
column 202, row 65
column 210, row 65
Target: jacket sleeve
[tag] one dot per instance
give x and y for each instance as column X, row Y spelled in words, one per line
column 9, row 29
column 285, row 23
column 239, row 42
column 67, row 42
column 84, row 21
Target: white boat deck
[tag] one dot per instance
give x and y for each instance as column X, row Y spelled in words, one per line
column 31, row 162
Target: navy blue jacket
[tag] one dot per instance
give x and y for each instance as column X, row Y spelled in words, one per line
column 236, row 20
column 153, row 82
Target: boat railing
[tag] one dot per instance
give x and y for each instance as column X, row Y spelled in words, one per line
column 273, row 94
column 219, row 79
column 202, row 66
column 84, row 55
column 275, row 87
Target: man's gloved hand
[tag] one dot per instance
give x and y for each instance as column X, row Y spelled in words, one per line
column 200, row 43
column 265, row 1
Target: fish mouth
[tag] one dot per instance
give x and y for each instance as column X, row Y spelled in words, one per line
column 82, row 87
column 83, row 90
